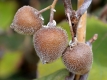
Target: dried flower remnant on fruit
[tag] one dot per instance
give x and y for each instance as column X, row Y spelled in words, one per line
column 50, row 43
column 78, row 59
column 26, row 21
column 52, row 24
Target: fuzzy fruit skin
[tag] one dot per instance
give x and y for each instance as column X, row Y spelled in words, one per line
column 78, row 59
column 50, row 43
column 26, row 21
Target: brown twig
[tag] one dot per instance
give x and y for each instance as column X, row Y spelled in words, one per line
column 104, row 13
column 72, row 18
column 75, row 15
column 52, row 6
column 70, row 24
column 68, row 12
column 67, row 4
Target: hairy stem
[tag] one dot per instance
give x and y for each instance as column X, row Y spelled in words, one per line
column 71, row 16
column 45, row 9
column 70, row 24
column 67, row 5
column 52, row 10
column 52, row 6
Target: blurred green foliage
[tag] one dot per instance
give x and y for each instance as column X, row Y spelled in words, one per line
column 9, row 63
column 7, row 10
column 58, row 75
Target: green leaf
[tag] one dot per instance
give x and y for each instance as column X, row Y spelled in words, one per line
column 99, row 69
column 12, row 41
column 58, row 75
column 10, row 63
column 7, row 11
column 99, row 47
column 50, row 68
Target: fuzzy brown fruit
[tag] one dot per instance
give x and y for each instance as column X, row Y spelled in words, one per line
column 50, row 43
column 78, row 59
column 26, row 21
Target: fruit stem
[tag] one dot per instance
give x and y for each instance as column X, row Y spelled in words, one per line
column 52, row 6
column 45, row 9
column 52, row 10
column 70, row 13
column 70, row 24
column 67, row 5
column 77, row 77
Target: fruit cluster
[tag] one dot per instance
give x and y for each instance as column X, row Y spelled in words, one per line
column 51, row 42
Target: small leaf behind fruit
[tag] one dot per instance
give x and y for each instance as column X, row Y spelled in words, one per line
column 58, row 75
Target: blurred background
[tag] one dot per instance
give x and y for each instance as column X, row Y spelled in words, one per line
column 18, row 59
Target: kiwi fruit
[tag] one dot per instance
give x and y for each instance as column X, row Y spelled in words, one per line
column 78, row 59
column 26, row 21
column 50, row 43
